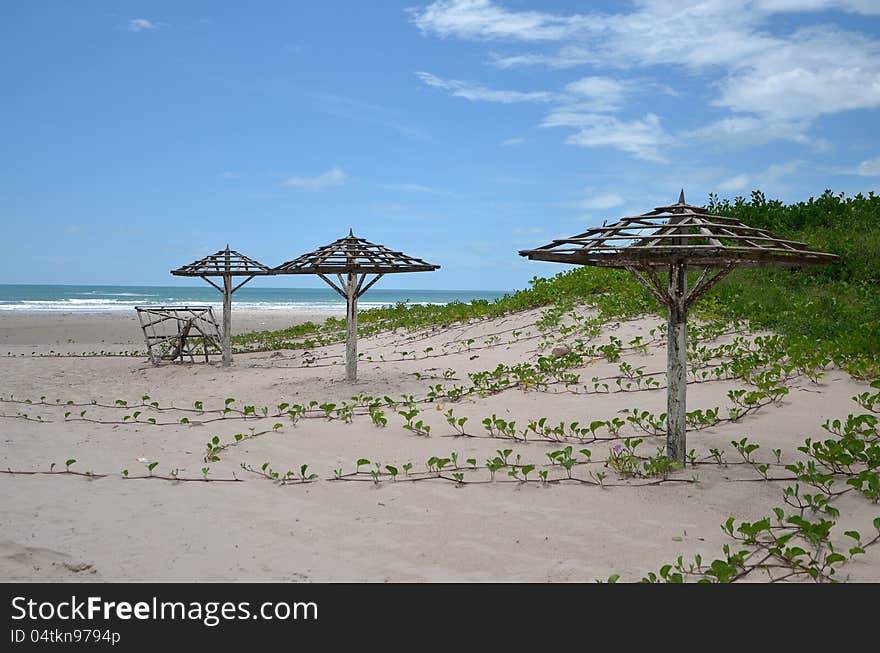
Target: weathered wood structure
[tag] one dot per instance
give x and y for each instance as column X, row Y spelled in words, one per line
column 351, row 260
column 226, row 263
column 173, row 332
column 672, row 239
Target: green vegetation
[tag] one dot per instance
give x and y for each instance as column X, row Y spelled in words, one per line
column 835, row 308
column 836, row 305
column 612, row 291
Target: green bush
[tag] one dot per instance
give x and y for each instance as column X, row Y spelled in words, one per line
column 834, row 305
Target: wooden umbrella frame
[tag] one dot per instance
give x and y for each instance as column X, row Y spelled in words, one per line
column 227, row 264
column 672, row 238
column 351, row 260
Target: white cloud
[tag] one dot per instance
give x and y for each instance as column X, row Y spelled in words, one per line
column 773, row 82
column 333, row 177
column 566, row 57
column 142, row 24
column 737, row 182
column 72, row 228
column 867, row 168
column 599, row 93
column 599, row 202
column 485, row 20
column 513, row 141
column 762, row 179
column 577, row 107
column 752, row 130
column 477, row 93
column 818, row 71
column 641, row 138
column 853, row 6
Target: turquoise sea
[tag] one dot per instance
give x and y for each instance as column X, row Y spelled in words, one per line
column 32, row 298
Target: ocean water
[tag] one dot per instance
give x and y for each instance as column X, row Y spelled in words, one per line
column 27, row 298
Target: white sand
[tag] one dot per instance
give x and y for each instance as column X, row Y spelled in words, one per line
column 69, row 527
column 77, row 333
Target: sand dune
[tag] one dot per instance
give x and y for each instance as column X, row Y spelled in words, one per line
column 331, row 530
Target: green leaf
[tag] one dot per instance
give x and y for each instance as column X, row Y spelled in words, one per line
column 856, row 549
column 69, row 462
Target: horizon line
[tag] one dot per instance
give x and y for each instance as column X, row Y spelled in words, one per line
column 158, row 285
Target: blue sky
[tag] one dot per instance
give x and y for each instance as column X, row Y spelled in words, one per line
column 138, row 136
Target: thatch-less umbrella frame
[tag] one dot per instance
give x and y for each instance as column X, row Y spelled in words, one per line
column 677, row 237
column 351, row 260
column 227, row 263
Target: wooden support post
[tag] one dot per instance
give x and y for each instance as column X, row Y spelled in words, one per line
column 227, row 319
column 351, row 328
column 676, row 367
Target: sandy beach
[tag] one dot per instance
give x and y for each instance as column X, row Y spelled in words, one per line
column 244, row 527
column 77, row 333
